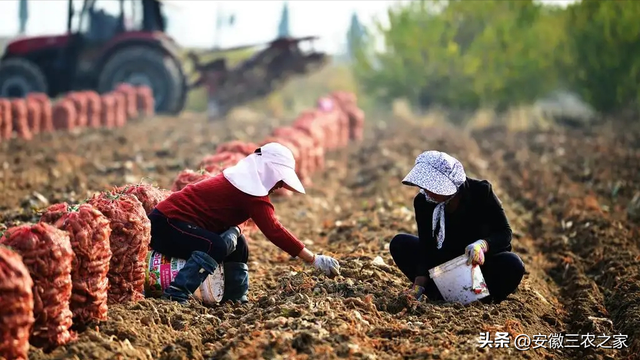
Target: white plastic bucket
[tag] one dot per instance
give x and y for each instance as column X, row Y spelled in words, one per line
column 161, row 270
column 459, row 282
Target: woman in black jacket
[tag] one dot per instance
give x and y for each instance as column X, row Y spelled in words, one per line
column 455, row 215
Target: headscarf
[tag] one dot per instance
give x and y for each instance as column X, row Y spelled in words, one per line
column 441, row 174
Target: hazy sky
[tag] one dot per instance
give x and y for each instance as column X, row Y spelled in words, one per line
column 192, row 23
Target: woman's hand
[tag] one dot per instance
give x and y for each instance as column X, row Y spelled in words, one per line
column 327, row 264
column 416, row 291
column 475, row 252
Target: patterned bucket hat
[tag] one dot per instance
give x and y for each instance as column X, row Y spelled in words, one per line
column 437, row 172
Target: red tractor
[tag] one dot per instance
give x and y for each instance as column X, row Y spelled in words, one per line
column 99, row 51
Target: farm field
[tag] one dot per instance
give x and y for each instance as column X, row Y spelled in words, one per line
column 572, row 197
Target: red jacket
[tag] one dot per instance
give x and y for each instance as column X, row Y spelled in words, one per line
column 216, row 205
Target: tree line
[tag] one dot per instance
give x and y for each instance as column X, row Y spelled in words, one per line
column 496, row 53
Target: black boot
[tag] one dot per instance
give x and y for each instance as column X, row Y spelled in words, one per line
column 236, row 282
column 190, row 277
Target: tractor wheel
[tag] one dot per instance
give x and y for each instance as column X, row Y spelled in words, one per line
column 150, row 67
column 18, row 77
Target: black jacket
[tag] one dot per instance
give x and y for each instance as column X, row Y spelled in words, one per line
column 479, row 215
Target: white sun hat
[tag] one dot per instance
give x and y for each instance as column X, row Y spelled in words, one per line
column 259, row 172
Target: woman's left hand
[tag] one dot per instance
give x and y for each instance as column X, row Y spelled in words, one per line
column 475, row 252
column 327, row 264
column 416, row 291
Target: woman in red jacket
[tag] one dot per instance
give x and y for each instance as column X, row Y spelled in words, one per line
column 200, row 223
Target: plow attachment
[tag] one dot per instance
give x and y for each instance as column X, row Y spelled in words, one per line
column 256, row 77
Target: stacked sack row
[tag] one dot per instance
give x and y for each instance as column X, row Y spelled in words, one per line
column 36, row 113
column 79, row 258
column 68, row 267
column 332, row 124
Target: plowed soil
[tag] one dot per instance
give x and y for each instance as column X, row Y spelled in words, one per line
column 572, row 197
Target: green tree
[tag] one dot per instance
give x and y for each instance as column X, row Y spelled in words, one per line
column 463, row 53
column 355, row 36
column 415, row 42
column 511, row 58
column 498, row 53
column 604, row 46
column 23, row 16
column 283, row 26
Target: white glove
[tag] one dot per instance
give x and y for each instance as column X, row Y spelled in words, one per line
column 327, row 264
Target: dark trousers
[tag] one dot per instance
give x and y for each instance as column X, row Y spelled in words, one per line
column 179, row 239
column 502, row 271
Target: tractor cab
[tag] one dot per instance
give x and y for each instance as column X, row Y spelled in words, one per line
column 101, row 20
column 107, row 42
